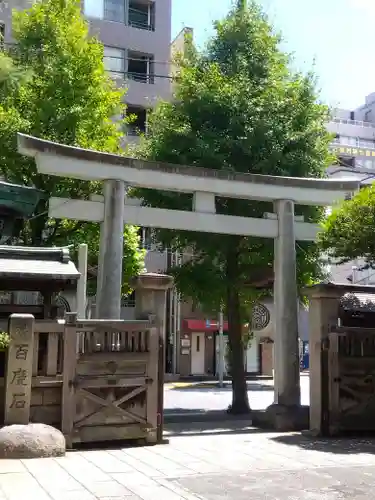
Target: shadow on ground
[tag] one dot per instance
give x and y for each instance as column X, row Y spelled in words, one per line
column 341, row 445
column 186, row 429
column 211, row 428
column 202, row 387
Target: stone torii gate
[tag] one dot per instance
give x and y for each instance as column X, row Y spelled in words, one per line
column 114, row 210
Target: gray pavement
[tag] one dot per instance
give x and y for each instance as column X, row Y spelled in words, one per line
column 229, row 463
column 203, row 397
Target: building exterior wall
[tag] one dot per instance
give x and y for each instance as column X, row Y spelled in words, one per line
column 130, row 42
column 178, row 47
column 155, row 43
column 266, row 350
column 262, row 341
column 356, row 128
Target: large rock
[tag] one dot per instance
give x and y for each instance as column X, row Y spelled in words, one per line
column 31, row 441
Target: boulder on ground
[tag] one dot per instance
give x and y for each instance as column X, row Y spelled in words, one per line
column 31, row 441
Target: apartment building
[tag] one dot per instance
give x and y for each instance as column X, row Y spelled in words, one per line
column 354, row 144
column 136, row 35
column 354, row 141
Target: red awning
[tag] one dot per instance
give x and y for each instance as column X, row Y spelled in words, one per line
column 199, row 325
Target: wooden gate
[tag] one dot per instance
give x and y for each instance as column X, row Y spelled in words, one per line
column 111, row 382
column 348, row 380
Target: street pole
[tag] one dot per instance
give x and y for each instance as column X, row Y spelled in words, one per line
column 221, row 348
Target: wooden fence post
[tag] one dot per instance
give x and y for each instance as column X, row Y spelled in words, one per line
column 151, row 299
column 152, row 404
column 19, row 369
column 68, row 409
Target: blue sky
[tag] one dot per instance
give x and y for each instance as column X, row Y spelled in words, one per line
column 338, row 34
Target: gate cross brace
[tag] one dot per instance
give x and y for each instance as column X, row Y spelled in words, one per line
column 361, row 401
column 114, row 405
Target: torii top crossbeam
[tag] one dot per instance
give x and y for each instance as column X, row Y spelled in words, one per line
column 67, row 161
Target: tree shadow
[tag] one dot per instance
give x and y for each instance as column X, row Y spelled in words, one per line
column 189, row 429
column 348, row 444
column 209, row 388
column 182, row 415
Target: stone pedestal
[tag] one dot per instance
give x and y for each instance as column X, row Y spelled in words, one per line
column 323, row 313
column 19, row 369
column 151, row 296
column 284, row 418
column 151, row 299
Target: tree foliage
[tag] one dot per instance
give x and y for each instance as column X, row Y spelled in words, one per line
column 237, row 106
column 67, row 97
column 348, row 232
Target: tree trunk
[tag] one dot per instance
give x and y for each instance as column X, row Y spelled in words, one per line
column 240, row 401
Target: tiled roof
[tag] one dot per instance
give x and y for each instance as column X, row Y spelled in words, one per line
column 28, row 262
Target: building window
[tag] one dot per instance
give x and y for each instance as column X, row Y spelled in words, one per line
column 138, row 124
column 142, row 15
column 366, row 143
column 114, row 61
column 2, row 33
column 140, row 67
column 348, row 141
column 110, row 10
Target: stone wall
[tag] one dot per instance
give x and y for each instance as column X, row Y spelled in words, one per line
column 46, row 405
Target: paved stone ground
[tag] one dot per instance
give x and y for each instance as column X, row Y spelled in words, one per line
column 229, row 463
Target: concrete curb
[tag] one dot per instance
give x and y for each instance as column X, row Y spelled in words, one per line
column 213, row 416
column 259, row 418
column 209, row 416
column 196, row 378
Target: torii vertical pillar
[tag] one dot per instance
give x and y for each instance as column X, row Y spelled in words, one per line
column 110, row 264
column 285, row 413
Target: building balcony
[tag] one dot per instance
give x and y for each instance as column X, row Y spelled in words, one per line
column 143, row 90
column 357, row 123
column 352, row 128
column 145, row 94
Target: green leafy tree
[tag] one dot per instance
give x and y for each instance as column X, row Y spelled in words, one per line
column 348, row 232
column 237, row 106
column 68, row 98
column 11, row 76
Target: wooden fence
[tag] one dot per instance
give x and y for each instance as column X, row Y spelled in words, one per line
column 96, row 380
